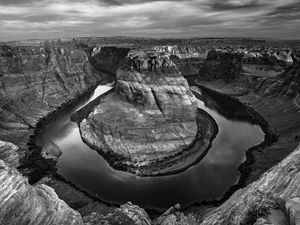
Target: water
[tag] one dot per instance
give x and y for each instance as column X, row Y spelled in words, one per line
column 207, row 180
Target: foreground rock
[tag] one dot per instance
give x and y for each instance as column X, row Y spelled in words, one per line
column 150, row 119
column 21, row 203
column 9, row 153
column 277, row 189
column 128, row 214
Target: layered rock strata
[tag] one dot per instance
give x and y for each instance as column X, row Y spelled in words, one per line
column 286, row 84
column 220, row 65
column 276, row 189
column 21, row 203
column 35, row 82
column 149, row 119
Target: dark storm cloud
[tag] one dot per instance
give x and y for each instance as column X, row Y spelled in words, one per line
column 287, row 12
column 220, row 5
column 282, row 16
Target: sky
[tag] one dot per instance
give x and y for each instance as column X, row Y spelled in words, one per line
column 35, row 19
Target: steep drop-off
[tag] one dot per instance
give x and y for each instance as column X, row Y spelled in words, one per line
column 35, row 82
column 220, row 65
column 150, row 120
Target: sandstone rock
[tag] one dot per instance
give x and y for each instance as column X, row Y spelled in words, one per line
column 285, row 84
column 128, row 214
column 9, row 153
column 34, row 82
column 184, row 51
column 174, row 217
column 279, row 187
column 137, row 214
column 262, row 221
column 21, row 203
column 150, row 116
column 220, row 65
column 108, row 59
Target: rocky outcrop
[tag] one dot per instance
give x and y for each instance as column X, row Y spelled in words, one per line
column 188, row 58
column 108, row 59
column 10, row 153
column 278, row 188
column 149, row 120
column 184, row 51
column 220, row 65
column 22, row 203
column 285, row 84
column 128, row 214
column 264, row 64
column 35, row 82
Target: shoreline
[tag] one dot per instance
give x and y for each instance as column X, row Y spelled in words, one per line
column 243, row 168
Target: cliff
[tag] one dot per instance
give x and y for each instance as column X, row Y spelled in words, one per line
column 220, row 65
column 285, row 84
column 277, row 189
column 35, row 82
column 150, row 119
column 24, row 204
column 108, row 59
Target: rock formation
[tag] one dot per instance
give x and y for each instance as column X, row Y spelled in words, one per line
column 277, row 189
column 35, row 82
column 150, row 116
column 285, row 84
column 128, row 214
column 10, row 153
column 21, row 203
column 220, row 65
column 108, row 59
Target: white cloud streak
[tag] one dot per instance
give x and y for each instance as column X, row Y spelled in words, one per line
column 59, row 18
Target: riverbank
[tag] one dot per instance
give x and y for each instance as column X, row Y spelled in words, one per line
column 278, row 116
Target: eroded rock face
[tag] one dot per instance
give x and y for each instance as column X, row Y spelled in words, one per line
column 35, row 81
column 108, row 59
column 128, row 214
column 285, row 84
column 220, row 65
column 22, row 203
column 278, row 188
column 149, row 119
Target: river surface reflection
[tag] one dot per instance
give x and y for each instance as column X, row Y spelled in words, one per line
column 207, row 180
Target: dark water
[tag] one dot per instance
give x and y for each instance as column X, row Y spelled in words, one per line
column 207, row 180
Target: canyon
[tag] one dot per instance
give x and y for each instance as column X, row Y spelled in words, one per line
column 38, row 82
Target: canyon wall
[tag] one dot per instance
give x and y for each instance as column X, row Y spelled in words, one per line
column 35, row 82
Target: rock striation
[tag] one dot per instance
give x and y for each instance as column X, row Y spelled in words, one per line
column 22, row 203
column 10, row 153
column 35, row 81
column 149, row 119
column 108, row 59
column 286, row 84
column 128, row 214
column 277, row 189
column 220, row 65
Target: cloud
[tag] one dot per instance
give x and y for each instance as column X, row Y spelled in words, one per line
column 235, row 4
column 159, row 18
